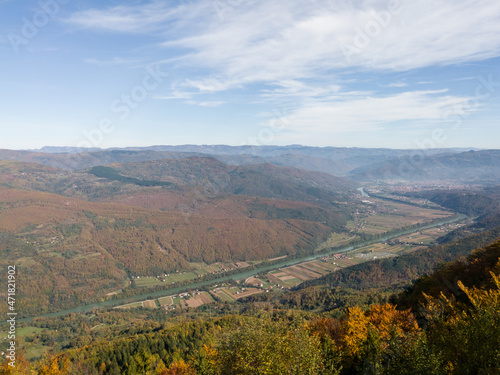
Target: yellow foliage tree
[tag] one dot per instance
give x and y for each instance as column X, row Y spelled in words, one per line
column 467, row 336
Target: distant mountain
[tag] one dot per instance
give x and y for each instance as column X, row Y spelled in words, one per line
column 337, row 161
column 84, row 160
column 472, row 166
column 260, row 180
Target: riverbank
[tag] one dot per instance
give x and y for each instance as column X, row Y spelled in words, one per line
column 245, row 274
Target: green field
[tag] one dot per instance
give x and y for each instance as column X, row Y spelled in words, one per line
column 224, row 297
column 166, row 300
column 337, row 239
column 180, row 277
column 383, row 216
column 21, row 332
column 209, row 296
column 129, row 305
column 147, row 282
column 34, row 351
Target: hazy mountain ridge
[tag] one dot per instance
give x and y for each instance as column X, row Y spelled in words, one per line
column 262, row 180
column 473, row 166
column 333, row 160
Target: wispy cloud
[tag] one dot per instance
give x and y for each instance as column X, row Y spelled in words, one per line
column 306, row 51
column 174, row 95
column 263, row 41
column 397, row 84
column 360, row 113
column 206, row 104
column 127, row 19
column 272, row 42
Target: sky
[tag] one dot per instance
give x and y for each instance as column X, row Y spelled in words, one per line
column 342, row 73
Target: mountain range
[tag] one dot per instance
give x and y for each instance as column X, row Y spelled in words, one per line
column 365, row 165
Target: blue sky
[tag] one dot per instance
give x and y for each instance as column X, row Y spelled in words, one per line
column 398, row 73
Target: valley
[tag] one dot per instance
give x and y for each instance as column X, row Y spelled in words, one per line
column 288, row 276
column 146, row 237
column 148, row 224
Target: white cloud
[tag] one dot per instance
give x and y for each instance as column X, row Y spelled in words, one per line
column 128, row 19
column 175, row 95
column 397, row 84
column 337, row 115
column 206, row 103
column 264, row 41
column 306, row 51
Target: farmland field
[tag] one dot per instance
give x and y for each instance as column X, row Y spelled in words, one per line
column 130, row 305
column 147, row 281
column 383, row 216
column 297, row 272
column 150, row 304
column 237, row 293
column 314, row 266
column 283, row 279
column 166, row 301
column 336, row 239
column 223, row 296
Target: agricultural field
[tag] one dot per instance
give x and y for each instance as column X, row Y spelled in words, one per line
column 22, row 331
column 296, row 274
column 199, row 269
column 176, row 277
column 34, row 351
column 166, row 301
column 283, row 279
column 130, row 305
column 222, row 295
column 147, row 281
column 196, row 300
column 183, row 300
column 380, row 216
column 337, row 239
column 254, row 281
column 237, row 292
column 315, row 266
column 150, row 304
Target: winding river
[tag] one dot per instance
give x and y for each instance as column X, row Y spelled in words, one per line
column 241, row 275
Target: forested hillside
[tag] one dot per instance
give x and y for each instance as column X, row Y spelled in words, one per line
column 79, row 237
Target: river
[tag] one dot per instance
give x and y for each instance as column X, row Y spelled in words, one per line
column 363, row 192
column 238, row 276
